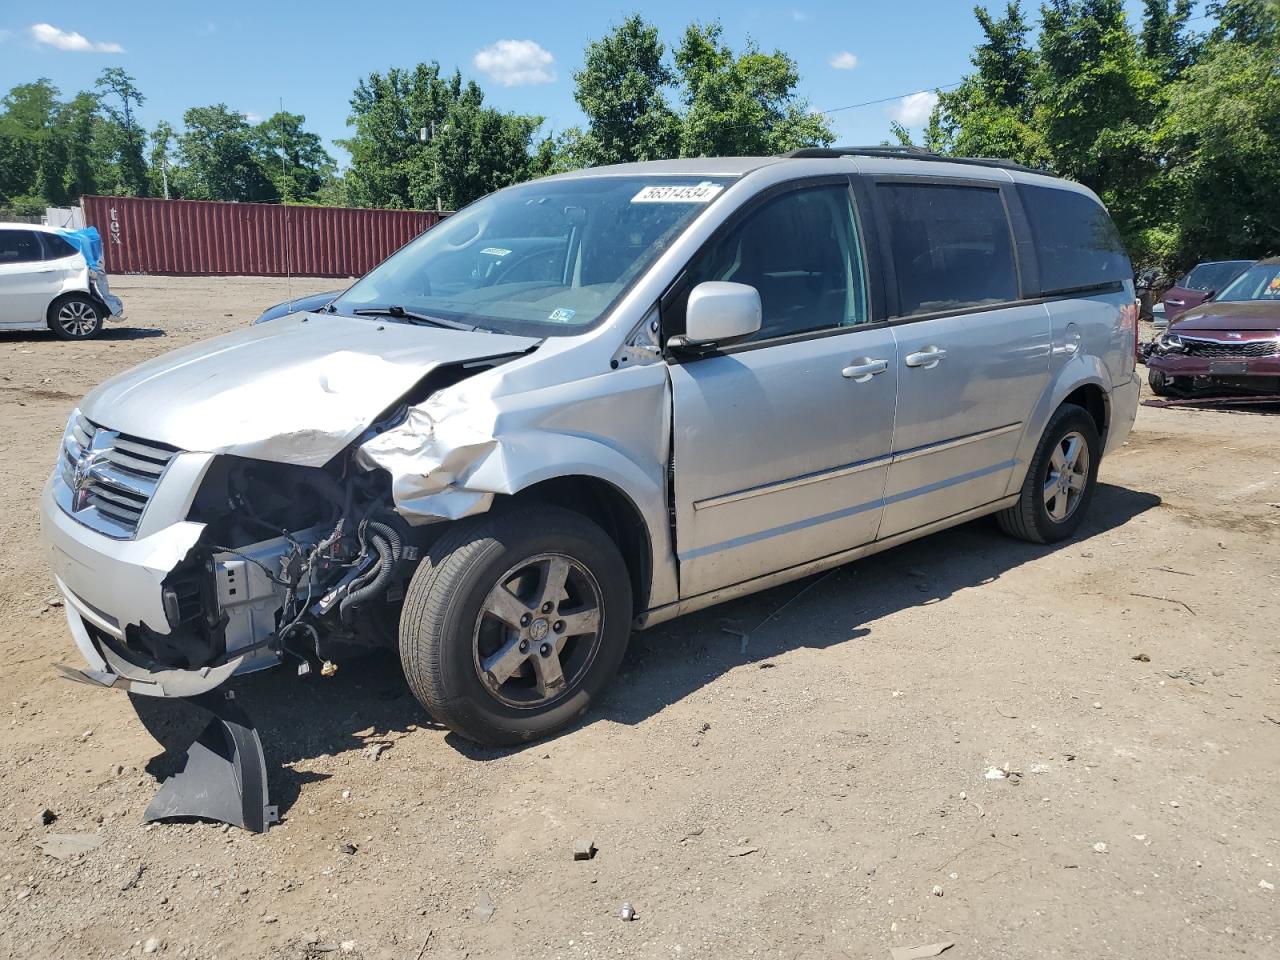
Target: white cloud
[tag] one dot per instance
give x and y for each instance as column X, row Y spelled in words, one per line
column 844, row 60
column 70, row 40
column 252, row 117
column 914, row 109
column 801, row 16
column 516, row 63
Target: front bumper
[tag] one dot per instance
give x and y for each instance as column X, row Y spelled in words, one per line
column 1184, row 365
column 111, row 586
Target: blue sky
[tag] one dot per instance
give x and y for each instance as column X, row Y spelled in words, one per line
column 253, row 56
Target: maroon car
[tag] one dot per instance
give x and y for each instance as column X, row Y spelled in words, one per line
column 1229, row 344
column 1200, row 283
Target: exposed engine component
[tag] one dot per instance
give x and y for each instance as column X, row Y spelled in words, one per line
column 289, row 558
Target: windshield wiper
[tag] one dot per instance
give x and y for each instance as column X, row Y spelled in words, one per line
column 400, row 313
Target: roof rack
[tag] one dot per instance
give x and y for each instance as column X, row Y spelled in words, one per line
column 904, row 153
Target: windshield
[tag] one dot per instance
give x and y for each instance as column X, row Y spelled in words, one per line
column 548, row 258
column 1259, row 282
column 1213, row 276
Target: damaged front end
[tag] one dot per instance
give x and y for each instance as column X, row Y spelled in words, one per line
column 181, row 569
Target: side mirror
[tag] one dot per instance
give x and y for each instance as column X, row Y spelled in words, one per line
column 719, row 313
column 1209, row 295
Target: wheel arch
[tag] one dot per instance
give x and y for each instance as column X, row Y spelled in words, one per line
column 1095, row 401
column 67, row 294
column 610, row 508
column 1083, row 382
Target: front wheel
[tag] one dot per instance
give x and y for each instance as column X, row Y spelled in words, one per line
column 1160, row 383
column 75, row 317
column 1060, row 481
column 515, row 623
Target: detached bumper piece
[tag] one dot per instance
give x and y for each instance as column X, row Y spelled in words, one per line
column 225, row 775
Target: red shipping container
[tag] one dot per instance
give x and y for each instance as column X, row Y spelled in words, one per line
column 196, row 237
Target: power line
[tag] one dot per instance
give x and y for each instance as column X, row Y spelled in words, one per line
column 900, row 96
column 948, row 86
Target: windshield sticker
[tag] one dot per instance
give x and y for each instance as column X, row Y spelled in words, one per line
column 561, row 315
column 496, row 251
column 699, row 193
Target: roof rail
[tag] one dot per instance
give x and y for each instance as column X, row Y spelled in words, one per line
column 905, row 153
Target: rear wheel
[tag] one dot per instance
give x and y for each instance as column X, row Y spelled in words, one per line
column 1060, row 481
column 75, row 317
column 515, row 623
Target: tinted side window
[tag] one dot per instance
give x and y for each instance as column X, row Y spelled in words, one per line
column 951, row 246
column 1076, row 242
column 802, row 252
column 19, row 246
column 56, row 247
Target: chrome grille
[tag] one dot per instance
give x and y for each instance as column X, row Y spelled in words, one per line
column 1230, row 350
column 111, row 476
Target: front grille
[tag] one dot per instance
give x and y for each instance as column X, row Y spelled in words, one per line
column 112, row 476
column 1218, row 350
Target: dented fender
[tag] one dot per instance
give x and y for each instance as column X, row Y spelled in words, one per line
column 453, row 453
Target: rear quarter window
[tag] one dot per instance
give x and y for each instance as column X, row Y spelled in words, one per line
column 56, row 247
column 1076, row 243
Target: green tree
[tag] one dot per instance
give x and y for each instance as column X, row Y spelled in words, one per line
column 161, row 160
column 219, row 159
column 125, row 138
column 1251, row 22
column 1097, row 98
column 27, row 116
column 1165, row 41
column 740, row 104
column 420, row 136
column 293, row 159
column 992, row 111
column 622, row 90
column 1219, row 139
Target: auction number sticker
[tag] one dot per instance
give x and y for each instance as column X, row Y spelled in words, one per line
column 697, row 193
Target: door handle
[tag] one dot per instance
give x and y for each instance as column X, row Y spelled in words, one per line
column 928, row 358
column 1177, row 303
column 863, row 369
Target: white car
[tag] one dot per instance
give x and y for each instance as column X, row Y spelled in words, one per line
column 45, row 281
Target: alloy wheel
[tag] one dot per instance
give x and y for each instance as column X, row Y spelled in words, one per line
column 77, row 318
column 1068, row 476
column 538, row 630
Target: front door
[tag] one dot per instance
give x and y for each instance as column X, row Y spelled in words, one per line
column 781, row 444
column 972, row 360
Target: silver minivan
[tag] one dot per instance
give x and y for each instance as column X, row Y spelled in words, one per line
column 591, row 403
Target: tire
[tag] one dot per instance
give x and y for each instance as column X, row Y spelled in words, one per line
column 1160, row 383
column 461, row 639
column 1032, row 518
column 76, row 316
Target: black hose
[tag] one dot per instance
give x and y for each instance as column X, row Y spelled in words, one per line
column 386, row 543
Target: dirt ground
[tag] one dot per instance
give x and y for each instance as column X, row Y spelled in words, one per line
column 816, row 791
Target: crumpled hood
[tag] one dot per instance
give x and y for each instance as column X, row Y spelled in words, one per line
column 1230, row 315
column 296, row 390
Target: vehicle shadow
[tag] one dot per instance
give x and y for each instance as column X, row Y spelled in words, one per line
column 368, row 700
column 669, row 662
column 109, row 334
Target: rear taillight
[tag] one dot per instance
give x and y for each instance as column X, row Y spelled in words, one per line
column 1137, row 313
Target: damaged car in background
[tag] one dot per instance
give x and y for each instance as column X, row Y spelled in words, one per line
column 1228, row 345
column 584, row 405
